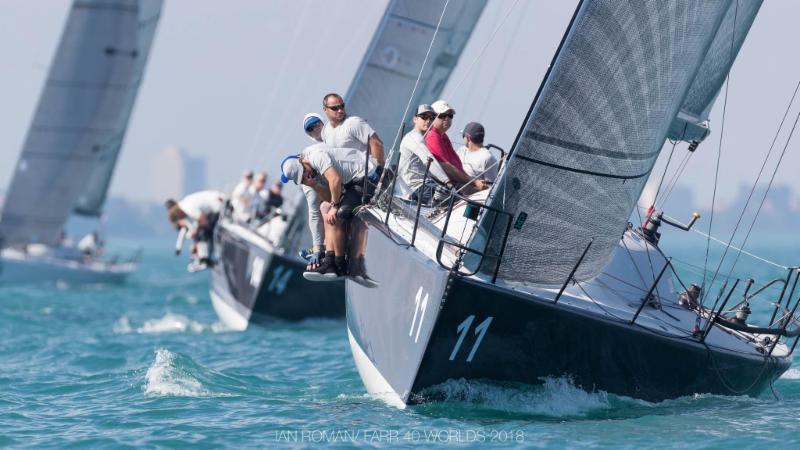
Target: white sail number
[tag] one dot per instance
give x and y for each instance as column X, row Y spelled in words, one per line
column 420, row 304
column 463, row 328
column 256, row 269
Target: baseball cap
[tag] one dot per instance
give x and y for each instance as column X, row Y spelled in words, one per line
column 311, row 119
column 441, row 107
column 424, row 108
column 291, row 169
column 247, row 174
column 474, row 130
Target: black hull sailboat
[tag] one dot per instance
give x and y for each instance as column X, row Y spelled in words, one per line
column 542, row 276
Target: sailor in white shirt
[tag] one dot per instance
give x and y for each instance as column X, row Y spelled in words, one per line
column 476, row 159
column 240, row 198
column 198, row 212
column 337, row 176
column 257, row 197
column 354, row 132
column 414, row 157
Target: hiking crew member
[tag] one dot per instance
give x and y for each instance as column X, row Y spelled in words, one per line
column 414, row 159
column 337, row 176
column 198, row 212
column 476, row 159
column 442, row 149
column 343, row 131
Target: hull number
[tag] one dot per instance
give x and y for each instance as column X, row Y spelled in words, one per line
column 480, row 332
column 280, row 278
column 420, row 304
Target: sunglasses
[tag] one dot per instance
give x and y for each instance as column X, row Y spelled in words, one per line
column 427, row 117
column 311, row 127
column 336, row 108
column 446, row 116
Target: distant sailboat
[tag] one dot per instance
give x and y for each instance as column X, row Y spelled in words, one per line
column 543, row 276
column 71, row 149
column 256, row 278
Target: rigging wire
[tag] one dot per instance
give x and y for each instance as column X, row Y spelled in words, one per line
column 664, row 174
column 416, row 83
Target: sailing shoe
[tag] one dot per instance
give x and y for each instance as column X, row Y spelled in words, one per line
column 358, row 273
column 327, row 271
column 196, row 266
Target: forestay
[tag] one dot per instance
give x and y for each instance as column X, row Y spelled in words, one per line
column 385, row 79
column 80, row 119
column 691, row 122
column 595, row 130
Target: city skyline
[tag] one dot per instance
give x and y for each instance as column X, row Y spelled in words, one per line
column 222, row 88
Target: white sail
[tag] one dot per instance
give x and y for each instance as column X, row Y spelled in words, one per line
column 595, row 130
column 691, row 121
column 90, row 201
column 385, row 80
column 81, row 117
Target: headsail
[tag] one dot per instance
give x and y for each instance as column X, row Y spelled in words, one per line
column 90, row 201
column 595, row 130
column 691, row 121
column 384, row 81
column 82, row 114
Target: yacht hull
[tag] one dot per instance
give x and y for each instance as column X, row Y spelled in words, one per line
column 29, row 270
column 252, row 284
column 423, row 326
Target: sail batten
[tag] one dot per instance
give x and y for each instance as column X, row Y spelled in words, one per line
column 595, row 131
column 80, row 119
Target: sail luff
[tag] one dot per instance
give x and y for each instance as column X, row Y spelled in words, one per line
column 595, row 132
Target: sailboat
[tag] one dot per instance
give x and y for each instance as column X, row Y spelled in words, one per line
column 256, row 277
column 543, row 276
column 71, row 149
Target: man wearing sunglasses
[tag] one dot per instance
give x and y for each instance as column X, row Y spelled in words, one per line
column 442, row 149
column 343, row 131
column 414, row 159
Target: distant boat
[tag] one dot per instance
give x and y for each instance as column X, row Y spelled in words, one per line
column 543, row 276
column 71, row 149
column 255, row 279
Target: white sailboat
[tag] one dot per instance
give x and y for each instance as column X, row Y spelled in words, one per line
column 69, row 154
column 257, row 277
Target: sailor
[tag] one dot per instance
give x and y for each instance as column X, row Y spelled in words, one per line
column 275, row 196
column 414, row 157
column 477, row 160
column 312, row 125
column 257, row 197
column 198, row 212
column 90, row 245
column 337, row 176
column 343, row 131
column 442, row 149
column 240, row 200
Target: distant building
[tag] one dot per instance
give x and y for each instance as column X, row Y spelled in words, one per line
column 177, row 173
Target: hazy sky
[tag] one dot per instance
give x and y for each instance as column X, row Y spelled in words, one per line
column 216, row 67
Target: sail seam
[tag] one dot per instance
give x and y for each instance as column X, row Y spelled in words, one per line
column 588, row 149
column 586, row 172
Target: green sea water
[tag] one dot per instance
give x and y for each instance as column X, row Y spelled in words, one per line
column 147, row 364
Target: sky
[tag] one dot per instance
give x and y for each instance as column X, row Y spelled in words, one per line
column 232, row 80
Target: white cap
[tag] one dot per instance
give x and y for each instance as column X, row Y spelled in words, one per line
column 441, row 107
column 424, row 108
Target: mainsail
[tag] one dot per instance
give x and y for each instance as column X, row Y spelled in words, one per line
column 385, row 80
column 81, row 117
column 691, row 121
column 595, row 130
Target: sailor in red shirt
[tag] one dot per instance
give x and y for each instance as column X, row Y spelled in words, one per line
column 442, row 149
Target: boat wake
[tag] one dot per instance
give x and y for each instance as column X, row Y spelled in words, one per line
column 168, row 323
column 791, row 374
column 557, row 397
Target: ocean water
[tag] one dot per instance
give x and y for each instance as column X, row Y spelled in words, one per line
column 148, row 364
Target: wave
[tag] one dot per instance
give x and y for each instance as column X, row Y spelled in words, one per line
column 169, row 376
column 557, row 397
column 170, row 323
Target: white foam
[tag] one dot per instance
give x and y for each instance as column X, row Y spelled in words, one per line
column 791, row 374
column 122, row 326
column 170, row 323
column 165, row 378
column 558, row 397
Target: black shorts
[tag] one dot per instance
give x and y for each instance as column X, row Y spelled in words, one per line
column 352, row 196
